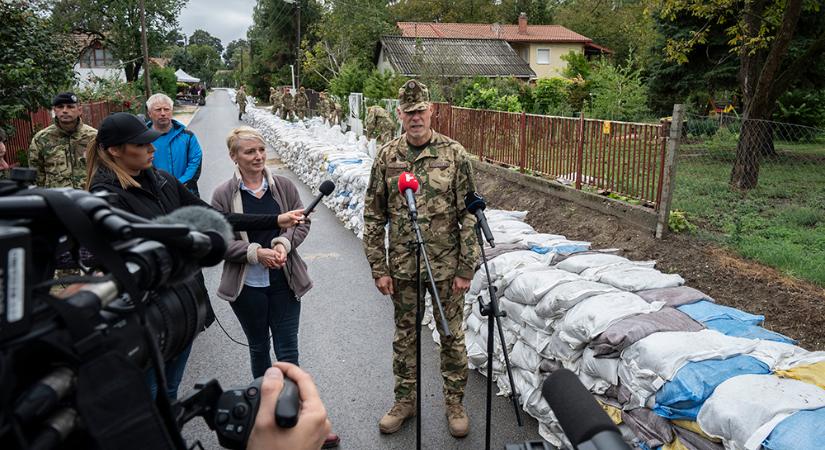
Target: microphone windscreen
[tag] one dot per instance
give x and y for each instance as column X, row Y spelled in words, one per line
column 327, row 187
column 407, row 181
column 474, row 202
column 579, row 415
column 199, row 219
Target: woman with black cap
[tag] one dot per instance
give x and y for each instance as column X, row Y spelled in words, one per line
column 119, row 161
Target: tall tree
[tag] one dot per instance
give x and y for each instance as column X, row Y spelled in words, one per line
column 229, row 55
column 772, row 53
column 201, row 37
column 28, row 40
column 118, row 23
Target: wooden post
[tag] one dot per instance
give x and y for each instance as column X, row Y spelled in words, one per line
column 669, row 176
column 580, row 152
column 522, row 145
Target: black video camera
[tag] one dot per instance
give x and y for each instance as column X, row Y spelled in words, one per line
column 73, row 364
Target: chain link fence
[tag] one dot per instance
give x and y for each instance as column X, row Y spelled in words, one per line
column 758, row 186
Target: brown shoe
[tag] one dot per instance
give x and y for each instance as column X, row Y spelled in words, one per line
column 457, row 420
column 395, row 417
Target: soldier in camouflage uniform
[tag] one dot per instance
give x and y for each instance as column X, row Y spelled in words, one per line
column 334, row 112
column 275, row 99
column 289, row 106
column 445, row 175
column 58, row 152
column 240, row 99
column 323, row 105
column 301, row 103
column 379, row 125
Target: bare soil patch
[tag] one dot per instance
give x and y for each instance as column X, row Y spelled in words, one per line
column 791, row 307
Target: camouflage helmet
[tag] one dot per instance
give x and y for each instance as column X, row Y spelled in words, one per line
column 271, row 88
column 414, row 96
column 301, row 89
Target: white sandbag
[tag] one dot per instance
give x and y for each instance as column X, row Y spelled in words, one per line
column 529, row 317
column 542, row 239
column 476, row 351
column 511, row 226
column 606, row 369
column 646, row 365
column 498, row 215
column 512, row 309
column 529, row 284
column 535, row 339
column 578, row 263
column 744, row 410
column 473, row 323
column 595, row 273
column 782, row 356
column 525, row 357
column 592, row 316
column 640, row 278
column 502, row 265
column 564, row 296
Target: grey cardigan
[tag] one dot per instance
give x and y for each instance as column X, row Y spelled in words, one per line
column 241, row 253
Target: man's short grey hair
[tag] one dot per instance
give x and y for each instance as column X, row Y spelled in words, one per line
column 158, row 98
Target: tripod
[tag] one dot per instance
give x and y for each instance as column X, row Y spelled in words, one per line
column 421, row 254
column 494, row 315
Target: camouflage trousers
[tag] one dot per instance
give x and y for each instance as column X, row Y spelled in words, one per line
column 301, row 113
column 453, row 352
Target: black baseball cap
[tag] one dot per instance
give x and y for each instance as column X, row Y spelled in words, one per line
column 64, row 98
column 124, row 128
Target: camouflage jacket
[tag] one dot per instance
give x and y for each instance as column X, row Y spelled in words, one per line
column 60, row 157
column 445, row 175
column 323, row 106
column 275, row 100
column 288, row 101
column 301, row 101
column 379, row 123
column 240, row 98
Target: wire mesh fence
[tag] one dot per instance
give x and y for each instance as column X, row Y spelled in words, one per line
column 757, row 185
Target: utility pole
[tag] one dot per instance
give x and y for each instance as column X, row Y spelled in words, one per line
column 297, row 4
column 147, row 85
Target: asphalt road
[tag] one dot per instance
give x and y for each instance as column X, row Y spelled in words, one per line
column 345, row 333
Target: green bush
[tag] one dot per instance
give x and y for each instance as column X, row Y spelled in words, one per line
column 490, row 98
column 801, row 107
column 677, row 222
column 618, row 92
column 551, row 95
column 381, row 85
column 164, row 80
column 350, row 79
column 128, row 95
column 702, row 127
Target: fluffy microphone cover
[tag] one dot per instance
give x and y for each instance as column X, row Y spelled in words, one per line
column 199, row 219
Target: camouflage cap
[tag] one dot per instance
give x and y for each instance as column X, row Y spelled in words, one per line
column 414, row 96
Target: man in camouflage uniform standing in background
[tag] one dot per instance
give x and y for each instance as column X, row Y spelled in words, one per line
column 58, row 152
column 379, row 125
column 275, row 99
column 289, row 106
column 240, row 99
column 444, row 172
column 323, row 105
column 301, row 103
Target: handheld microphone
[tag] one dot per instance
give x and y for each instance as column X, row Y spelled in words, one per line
column 326, row 188
column 408, row 186
column 476, row 205
column 586, row 425
column 212, row 233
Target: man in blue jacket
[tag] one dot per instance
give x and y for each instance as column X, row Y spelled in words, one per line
column 177, row 150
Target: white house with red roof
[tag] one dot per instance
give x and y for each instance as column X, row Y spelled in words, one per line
column 541, row 46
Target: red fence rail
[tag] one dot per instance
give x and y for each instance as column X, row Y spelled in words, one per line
column 623, row 158
column 26, row 128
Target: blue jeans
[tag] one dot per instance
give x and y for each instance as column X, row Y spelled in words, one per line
column 174, row 374
column 265, row 310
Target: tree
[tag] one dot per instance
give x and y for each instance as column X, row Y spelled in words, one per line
column 772, row 53
column 201, row 37
column 117, row 22
column 28, row 40
column 201, row 61
column 617, row 91
column 230, row 57
column 164, row 80
column 472, row 11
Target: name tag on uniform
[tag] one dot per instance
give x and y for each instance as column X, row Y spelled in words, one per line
column 439, row 165
column 397, row 165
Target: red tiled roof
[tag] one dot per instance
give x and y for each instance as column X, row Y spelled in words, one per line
column 535, row 33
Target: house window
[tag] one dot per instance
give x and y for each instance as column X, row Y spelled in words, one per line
column 96, row 57
column 543, row 56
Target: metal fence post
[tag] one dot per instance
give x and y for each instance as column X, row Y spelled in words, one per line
column 669, row 176
column 522, row 145
column 580, row 152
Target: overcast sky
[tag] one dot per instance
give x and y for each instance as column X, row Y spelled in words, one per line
column 225, row 19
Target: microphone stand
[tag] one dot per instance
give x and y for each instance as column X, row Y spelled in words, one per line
column 421, row 254
column 494, row 315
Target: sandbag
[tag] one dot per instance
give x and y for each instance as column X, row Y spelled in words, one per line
column 803, row 430
column 809, row 373
column 674, row 296
column 738, row 328
column 629, row 330
column 566, row 295
column 704, row 310
column 578, row 263
column 639, row 278
column 528, row 284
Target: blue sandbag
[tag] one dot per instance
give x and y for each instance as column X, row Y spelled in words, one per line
column 704, row 310
column 684, row 395
column 736, row 328
column 803, row 430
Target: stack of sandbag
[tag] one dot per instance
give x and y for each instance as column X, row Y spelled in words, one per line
column 674, row 369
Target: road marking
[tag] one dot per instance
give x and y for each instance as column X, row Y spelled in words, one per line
column 314, row 256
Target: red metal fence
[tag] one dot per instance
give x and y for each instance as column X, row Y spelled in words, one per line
column 26, row 128
column 623, row 158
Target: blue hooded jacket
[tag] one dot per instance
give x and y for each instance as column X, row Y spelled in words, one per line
column 178, row 152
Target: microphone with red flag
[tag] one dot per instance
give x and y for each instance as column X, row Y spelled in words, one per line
column 408, row 186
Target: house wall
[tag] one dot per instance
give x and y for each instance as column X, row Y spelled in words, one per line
column 383, row 63
column 85, row 75
column 556, row 65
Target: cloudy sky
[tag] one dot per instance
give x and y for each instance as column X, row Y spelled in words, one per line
column 225, row 19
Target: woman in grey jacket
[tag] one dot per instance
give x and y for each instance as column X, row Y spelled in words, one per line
column 263, row 275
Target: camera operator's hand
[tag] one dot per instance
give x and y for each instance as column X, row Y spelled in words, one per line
column 312, row 427
column 291, row 218
column 268, row 258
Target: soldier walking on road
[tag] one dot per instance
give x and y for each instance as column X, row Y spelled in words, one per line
column 301, row 103
column 379, row 125
column 289, row 106
column 58, row 152
column 240, row 99
column 443, row 169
